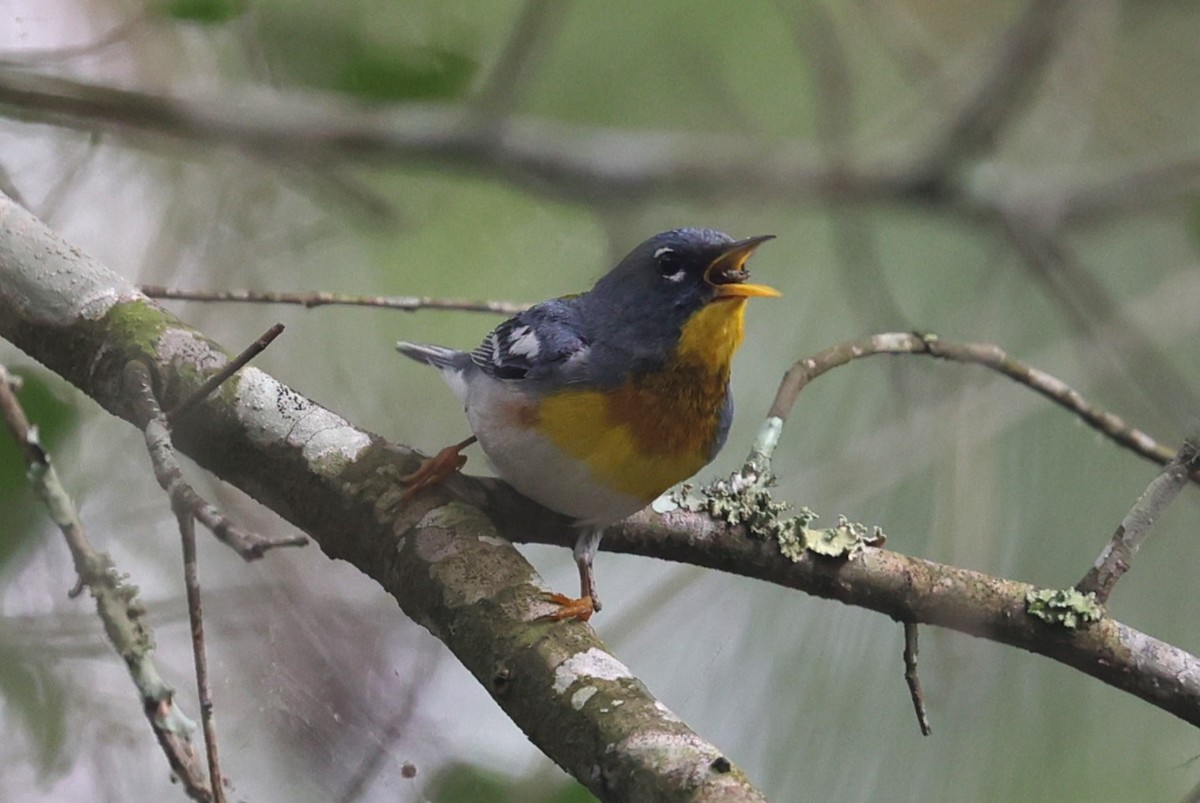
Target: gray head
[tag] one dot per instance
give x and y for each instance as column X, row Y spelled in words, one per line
column 665, row 280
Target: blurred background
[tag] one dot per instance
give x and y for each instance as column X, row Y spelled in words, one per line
column 1026, row 174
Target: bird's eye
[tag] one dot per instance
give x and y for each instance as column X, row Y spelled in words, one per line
column 670, row 264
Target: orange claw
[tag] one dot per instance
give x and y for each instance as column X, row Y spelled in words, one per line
column 434, row 470
column 569, row 607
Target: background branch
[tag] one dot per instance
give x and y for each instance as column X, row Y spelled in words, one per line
column 576, row 164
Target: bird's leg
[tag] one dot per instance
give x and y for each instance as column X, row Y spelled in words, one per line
column 436, row 469
column 588, row 601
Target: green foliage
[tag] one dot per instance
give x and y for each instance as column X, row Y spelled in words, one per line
column 54, row 418
column 417, row 73
column 369, row 50
column 207, row 12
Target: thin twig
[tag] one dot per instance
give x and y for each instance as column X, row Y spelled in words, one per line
column 321, row 298
column 911, row 649
column 1089, row 306
column 1018, row 61
column 986, row 354
column 1118, row 554
column 170, row 475
column 116, row 603
column 187, row 535
column 231, row 368
column 499, row 94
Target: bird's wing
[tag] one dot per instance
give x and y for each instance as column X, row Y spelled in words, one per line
column 545, row 342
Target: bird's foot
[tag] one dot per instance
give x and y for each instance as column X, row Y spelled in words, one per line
column 434, row 470
column 569, row 607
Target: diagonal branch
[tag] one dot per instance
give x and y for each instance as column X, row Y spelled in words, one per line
column 1022, row 56
column 116, row 604
column 147, row 415
column 1118, row 554
column 537, row 21
column 440, row 559
column 911, row 649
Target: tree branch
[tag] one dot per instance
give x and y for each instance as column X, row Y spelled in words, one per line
column 985, row 354
column 913, row 679
column 321, row 298
column 116, row 603
column 440, row 559
column 576, row 164
column 1118, row 554
column 1017, row 63
column 904, row 588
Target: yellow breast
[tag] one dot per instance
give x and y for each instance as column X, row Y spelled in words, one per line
column 658, row 429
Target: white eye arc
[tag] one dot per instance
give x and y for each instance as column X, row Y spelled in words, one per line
column 667, row 259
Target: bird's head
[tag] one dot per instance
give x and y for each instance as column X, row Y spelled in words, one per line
column 688, row 286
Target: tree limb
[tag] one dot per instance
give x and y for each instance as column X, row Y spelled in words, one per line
column 439, row 558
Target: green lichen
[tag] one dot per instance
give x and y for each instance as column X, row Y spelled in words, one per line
column 846, row 539
column 745, row 498
column 137, row 322
column 455, row 517
column 1067, row 607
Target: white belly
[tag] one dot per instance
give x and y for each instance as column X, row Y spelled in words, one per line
column 535, row 466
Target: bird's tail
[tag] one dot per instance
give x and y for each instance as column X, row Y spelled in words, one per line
column 438, row 356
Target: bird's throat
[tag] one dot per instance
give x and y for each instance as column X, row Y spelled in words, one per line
column 712, row 335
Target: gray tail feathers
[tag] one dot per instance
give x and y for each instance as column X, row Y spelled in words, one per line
column 437, row 356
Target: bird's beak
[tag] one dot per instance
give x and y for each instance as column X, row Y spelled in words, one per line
column 727, row 273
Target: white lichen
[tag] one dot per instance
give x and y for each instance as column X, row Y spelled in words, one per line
column 594, row 664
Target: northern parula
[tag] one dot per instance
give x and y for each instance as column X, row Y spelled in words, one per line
column 594, row 404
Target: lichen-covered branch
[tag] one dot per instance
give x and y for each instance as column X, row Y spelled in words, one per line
column 116, row 604
column 904, row 588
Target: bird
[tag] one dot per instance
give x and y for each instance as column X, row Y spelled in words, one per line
column 594, row 404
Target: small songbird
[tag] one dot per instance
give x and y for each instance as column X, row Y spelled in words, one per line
column 594, row 404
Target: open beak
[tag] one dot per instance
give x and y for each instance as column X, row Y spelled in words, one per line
column 727, row 273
